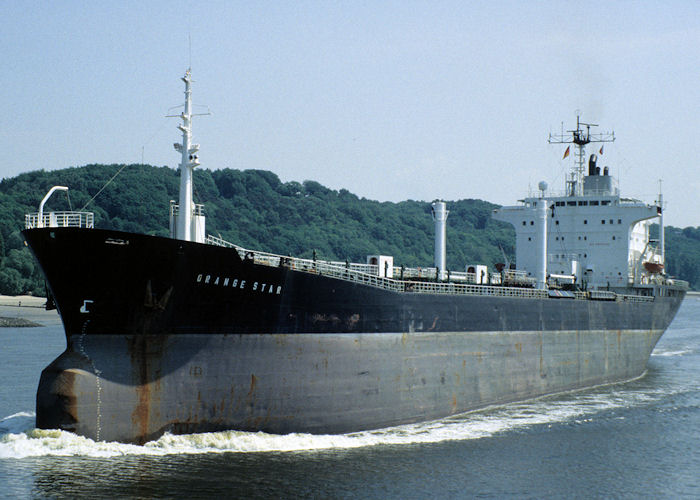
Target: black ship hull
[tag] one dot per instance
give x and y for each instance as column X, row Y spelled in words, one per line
column 170, row 336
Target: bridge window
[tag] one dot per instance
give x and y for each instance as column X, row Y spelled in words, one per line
column 594, row 203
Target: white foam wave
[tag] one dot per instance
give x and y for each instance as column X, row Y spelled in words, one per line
column 661, row 352
column 17, row 422
column 19, row 438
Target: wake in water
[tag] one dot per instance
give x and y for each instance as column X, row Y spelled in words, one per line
column 19, row 438
column 666, row 353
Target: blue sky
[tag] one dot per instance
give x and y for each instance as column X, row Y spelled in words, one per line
column 390, row 100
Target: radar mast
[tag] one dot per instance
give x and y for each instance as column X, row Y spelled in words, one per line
column 580, row 138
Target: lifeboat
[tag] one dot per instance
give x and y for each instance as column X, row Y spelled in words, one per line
column 653, row 267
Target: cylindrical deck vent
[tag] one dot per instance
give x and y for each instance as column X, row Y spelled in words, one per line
column 541, row 244
column 440, row 213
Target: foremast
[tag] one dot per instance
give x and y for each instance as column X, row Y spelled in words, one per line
column 186, row 218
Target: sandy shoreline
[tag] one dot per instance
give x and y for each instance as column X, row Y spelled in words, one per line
column 22, row 301
column 26, row 307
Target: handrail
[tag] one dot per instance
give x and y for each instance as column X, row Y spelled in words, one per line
column 60, row 219
column 355, row 273
column 634, row 298
column 197, row 208
column 683, row 285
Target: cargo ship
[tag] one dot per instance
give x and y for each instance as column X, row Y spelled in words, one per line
column 192, row 333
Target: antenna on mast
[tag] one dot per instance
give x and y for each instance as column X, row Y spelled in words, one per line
column 662, row 233
column 580, row 138
column 189, row 39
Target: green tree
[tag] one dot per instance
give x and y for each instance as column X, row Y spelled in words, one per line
column 254, row 209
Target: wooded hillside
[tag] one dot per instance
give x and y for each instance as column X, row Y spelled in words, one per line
column 253, row 208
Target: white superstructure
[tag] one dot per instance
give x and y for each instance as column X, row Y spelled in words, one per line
column 592, row 233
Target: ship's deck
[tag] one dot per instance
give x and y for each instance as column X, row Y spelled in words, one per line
column 423, row 280
column 508, row 283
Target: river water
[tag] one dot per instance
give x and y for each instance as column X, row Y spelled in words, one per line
column 635, row 440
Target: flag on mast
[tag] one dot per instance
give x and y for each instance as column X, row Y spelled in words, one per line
column 566, row 153
column 601, row 149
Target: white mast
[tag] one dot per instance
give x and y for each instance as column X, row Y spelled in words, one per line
column 541, row 214
column 440, row 213
column 662, row 246
column 187, row 164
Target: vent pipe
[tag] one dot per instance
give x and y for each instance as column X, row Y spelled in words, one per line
column 662, row 243
column 541, row 271
column 440, row 213
column 592, row 164
column 40, row 221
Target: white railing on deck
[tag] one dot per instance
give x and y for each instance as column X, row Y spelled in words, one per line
column 366, row 274
column 634, row 298
column 197, row 209
column 678, row 283
column 60, row 219
column 356, row 273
